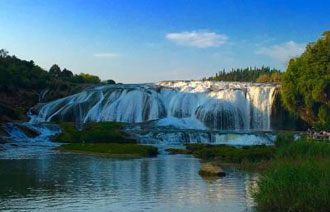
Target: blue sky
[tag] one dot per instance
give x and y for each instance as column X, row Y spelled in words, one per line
column 153, row 40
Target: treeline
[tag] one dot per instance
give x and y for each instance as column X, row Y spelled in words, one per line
column 263, row 74
column 67, row 75
column 16, row 73
column 23, row 84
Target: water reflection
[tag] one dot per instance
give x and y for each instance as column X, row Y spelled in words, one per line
column 69, row 182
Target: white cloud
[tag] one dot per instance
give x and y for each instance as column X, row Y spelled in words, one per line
column 283, row 52
column 197, row 39
column 106, row 55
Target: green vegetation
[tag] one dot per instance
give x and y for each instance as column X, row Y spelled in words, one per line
column 104, row 138
column 295, row 173
column 231, row 154
column 306, row 83
column 297, row 179
column 103, row 132
column 23, row 84
column 263, row 74
column 112, row 149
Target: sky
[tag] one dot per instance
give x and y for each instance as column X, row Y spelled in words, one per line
column 136, row 41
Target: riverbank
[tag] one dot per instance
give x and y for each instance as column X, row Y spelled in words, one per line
column 254, row 158
column 294, row 174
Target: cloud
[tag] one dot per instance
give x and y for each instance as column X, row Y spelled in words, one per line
column 197, row 39
column 283, row 52
column 106, row 55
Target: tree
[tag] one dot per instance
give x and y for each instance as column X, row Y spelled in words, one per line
column 111, row 82
column 55, row 70
column 3, row 53
column 66, row 74
column 86, row 78
column 263, row 78
column 306, row 83
column 266, row 74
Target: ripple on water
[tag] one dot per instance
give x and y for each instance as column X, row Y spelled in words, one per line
column 69, row 182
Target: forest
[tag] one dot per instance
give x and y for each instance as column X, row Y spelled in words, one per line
column 263, row 74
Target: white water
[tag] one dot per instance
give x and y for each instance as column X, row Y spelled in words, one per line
column 20, row 145
column 182, row 104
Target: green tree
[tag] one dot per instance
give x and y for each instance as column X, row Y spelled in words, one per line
column 306, row 83
column 266, row 74
column 55, row 70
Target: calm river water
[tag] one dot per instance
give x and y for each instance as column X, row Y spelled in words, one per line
column 50, row 181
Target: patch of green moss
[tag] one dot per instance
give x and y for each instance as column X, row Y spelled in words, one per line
column 103, row 132
column 111, row 149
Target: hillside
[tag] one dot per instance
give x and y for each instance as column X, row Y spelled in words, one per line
column 24, row 84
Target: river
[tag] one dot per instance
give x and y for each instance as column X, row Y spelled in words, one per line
column 46, row 180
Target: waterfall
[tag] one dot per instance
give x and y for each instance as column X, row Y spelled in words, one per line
column 201, row 104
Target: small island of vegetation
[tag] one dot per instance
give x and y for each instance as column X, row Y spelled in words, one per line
column 101, row 139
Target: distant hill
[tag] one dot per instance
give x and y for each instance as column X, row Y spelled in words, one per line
column 24, row 84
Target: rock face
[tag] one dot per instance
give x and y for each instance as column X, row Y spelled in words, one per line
column 208, row 169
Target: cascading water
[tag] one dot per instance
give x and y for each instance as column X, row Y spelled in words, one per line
column 216, row 105
column 20, row 144
column 173, row 112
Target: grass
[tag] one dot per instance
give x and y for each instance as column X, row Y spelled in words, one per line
column 232, row 154
column 103, row 132
column 298, row 178
column 111, row 149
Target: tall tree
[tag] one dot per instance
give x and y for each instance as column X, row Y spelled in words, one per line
column 55, row 70
column 306, row 83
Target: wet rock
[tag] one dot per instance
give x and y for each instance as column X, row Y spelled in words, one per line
column 28, row 131
column 209, row 169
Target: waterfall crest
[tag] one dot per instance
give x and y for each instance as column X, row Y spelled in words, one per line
column 206, row 104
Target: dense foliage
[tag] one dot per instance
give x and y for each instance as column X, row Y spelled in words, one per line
column 306, row 83
column 263, row 74
column 23, row 84
column 16, row 74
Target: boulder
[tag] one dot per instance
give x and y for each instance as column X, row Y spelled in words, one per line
column 209, row 169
